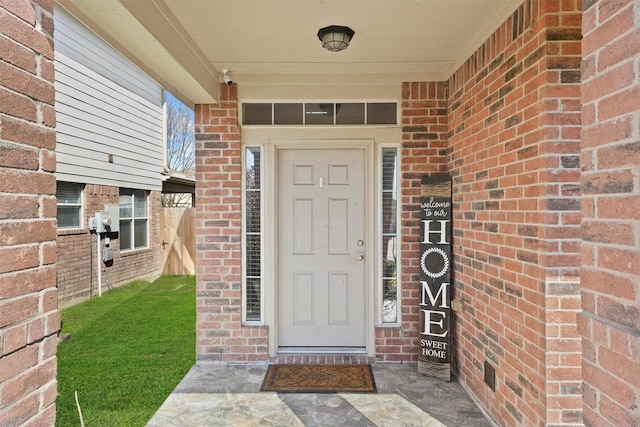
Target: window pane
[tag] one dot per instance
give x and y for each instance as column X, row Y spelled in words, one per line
column 67, row 193
column 253, row 255
column 382, row 113
column 253, row 168
column 389, row 256
column 125, row 235
column 68, row 217
column 140, row 239
column 389, row 169
column 390, row 302
column 350, row 114
column 126, row 205
column 140, row 204
column 287, row 114
column 388, row 214
column 256, row 114
column 252, row 195
column 253, row 212
column 252, row 300
column 318, row 114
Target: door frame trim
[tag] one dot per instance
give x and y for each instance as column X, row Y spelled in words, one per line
column 271, row 235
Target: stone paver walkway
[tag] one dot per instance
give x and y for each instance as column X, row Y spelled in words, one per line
column 229, row 395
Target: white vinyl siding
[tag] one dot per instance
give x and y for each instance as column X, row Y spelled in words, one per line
column 110, row 120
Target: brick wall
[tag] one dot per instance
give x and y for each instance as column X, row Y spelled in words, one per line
column 424, row 145
column 28, row 297
column 514, row 126
column 77, row 274
column 610, row 162
column 220, row 335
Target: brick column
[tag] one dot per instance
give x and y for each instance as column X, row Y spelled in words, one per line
column 610, row 161
column 220, row 335
column 560, row 228
column 29, row 318
column 424, row 141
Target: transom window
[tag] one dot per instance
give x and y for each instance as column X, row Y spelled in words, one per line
column 134, row 219
column 320, row 113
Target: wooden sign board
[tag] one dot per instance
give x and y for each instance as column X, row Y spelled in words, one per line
column 434, row 359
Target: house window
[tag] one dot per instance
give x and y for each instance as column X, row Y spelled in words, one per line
column 320, row 113
column 69, row 201
column 134, row 219
column 253, row 235
column 389, row 235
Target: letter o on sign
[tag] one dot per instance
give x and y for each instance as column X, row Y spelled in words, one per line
column 445, row 261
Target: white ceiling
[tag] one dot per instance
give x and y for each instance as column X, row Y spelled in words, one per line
column 185, row 43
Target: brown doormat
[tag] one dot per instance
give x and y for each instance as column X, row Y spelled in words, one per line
column 319, row 379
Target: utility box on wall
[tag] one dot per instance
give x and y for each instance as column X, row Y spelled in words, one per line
column 109, row 220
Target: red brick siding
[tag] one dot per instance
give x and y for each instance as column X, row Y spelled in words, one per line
column 77, row 269
column 424, row 144
column 29, row 319
column 220, row 335
column 513, row 152
column 610, row 162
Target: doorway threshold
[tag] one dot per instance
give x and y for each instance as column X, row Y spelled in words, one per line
column 320, row 350
column 322, row 356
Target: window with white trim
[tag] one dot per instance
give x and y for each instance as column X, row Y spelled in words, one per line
column 134, row 219
column 253, row 295
column 69, row 202
column 389, row 236
column 319, row 113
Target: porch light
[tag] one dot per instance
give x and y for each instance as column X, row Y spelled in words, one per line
column 335, row 38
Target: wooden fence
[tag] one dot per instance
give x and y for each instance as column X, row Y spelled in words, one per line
column 177, row 227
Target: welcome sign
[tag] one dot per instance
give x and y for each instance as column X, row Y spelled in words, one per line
column 435, row 273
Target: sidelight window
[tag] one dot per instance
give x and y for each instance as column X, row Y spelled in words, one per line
column 389, row 235
column 253, row 236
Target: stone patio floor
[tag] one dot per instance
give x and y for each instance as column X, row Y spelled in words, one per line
column 229, row 395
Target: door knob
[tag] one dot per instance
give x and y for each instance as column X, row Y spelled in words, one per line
column 360, row 256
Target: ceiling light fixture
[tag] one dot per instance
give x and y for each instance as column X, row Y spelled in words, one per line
column 335, row 37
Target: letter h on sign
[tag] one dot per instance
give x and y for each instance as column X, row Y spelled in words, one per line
column 427, row 231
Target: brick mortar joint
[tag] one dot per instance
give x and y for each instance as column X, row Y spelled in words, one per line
column 609, row 323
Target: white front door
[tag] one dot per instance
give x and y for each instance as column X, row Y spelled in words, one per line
column 321, row 232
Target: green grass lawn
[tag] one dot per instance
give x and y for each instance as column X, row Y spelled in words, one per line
column 128, row 351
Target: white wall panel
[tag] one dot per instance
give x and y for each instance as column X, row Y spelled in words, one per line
column 110, row 120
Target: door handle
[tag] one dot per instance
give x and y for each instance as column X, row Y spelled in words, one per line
column 359, row 256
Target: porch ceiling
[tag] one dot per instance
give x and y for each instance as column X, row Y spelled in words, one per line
column 185, row 43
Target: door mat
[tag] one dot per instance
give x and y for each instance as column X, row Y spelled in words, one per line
column 319, row 379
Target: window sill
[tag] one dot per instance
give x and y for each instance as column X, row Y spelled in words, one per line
column 71, row 231
column 132, row 252
column 390, row 325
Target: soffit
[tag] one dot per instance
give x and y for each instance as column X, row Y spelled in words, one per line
column 187, row 42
